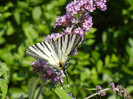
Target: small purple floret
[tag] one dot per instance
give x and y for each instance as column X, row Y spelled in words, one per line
column 52, row 36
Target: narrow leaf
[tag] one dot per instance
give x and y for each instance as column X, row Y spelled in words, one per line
column 36, row 13
column 61, row 93
column 90, row 89
column 3, row 87
column 31, row 86
column 2, row 71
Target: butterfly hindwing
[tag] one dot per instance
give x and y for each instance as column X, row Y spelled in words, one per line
column 70, row 42
column 66, row 45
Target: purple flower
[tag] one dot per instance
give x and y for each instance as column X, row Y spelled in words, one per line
column 83, row 21
column 45, row 71
column 70, row 94
column 112, row 86
column 67, row 30
column 101, row 4
column 75, row 52
column 53, row 35
column 98, row 87
column 86, row 22
column 65, row 20
column 82, row 5
column 102, row 93
column 80, row 32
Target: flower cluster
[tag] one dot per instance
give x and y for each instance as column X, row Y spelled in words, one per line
column 99, row 89
column 83, row 21
column 100, row 4
column 86, row 22
column 45, row 71
column 78, row 6
column 65, row 20
column 121, row 91
column 52, row 36
column 116, row 89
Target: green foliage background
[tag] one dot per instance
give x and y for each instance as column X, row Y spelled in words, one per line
column 105, row 55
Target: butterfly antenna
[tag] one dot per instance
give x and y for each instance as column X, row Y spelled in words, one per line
column 66, row 77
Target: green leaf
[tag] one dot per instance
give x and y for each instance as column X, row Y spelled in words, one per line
column 2, row 40
column 129, row 47
column 62, row 2
column 10, row 29
column 15, row 93
column 17, row 17
column 7, row 14
column 3, row 87
column 91, row 89
column 61, row 93
column 36, row 13
column 99, row 66
column 89, row 42
column 95, row 55
column 107, row 60
column 130, row 2
column 104, row 37
column 2, row 71
column 83, row 76
column 18, row 76
column 31, row 86
column 22, row 4
column 107, row 78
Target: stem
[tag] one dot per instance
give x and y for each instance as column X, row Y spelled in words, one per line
column 97, row 93
column 41, row 87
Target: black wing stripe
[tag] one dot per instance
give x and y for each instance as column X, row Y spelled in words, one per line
column 49, row 47
column 77, row 40
column 46, row 46
column 41, row 43
column 40, row 47
column 65, row 40
column 50, row 51
column 54, row 46
column 68, row 42
column 71, row 44
column 59, row 48
column 61, row 42
column 32, row 53
column 34, row 47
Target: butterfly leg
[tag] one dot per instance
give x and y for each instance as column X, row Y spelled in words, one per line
column 64, row 70
column 59, row 73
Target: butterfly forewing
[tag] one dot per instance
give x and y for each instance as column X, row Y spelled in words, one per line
column 43, row 51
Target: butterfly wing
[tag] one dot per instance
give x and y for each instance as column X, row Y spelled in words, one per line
column 55, row 51
column 43, row 51
column 66, row 45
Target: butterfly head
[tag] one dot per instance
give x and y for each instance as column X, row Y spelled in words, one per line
column 62, row 66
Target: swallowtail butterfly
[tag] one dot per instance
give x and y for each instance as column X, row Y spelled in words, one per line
column 55, row 52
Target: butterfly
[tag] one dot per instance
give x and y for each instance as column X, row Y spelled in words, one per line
column 56, row 52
